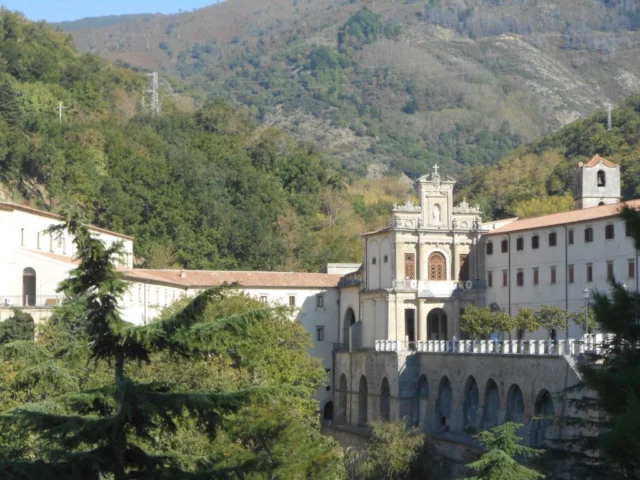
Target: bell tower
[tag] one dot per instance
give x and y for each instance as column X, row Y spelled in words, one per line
column 436, row 199
column 597, row 182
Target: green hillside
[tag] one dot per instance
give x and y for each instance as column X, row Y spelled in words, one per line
column 205, row 188
column 539, row 178
column 396, row 84
column 99, row 22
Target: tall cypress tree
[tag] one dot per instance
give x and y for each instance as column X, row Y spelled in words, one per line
column 99, row 432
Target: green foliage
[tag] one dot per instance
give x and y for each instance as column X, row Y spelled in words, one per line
column 552, row 317
column 390, row 453
column 482, row 321
column 498, row 462
column 20, row 326
column 526, row 321
column 365, row 27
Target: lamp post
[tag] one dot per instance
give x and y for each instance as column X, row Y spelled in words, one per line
column 586, row 310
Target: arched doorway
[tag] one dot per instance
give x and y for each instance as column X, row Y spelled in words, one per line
column 491, row 414
column 437, row 324
column 470, row 406
column 28, row 287
column 443, row 406
column 423, row 396
column 363, row 394
column 385, row 400
column 437, row 266
column 515, row 405
column 341, row 416
column 349, row 319
column 328, row 410
column 541, row 426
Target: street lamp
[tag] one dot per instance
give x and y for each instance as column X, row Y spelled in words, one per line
column 586, row 310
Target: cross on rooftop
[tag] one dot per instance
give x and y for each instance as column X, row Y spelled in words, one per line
column 435, row 169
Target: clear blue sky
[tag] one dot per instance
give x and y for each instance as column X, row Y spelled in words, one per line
column 60, row 10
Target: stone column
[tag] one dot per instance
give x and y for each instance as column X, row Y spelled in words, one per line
column 421, row 330
column 454, row 259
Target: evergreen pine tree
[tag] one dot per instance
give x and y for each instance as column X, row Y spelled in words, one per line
column 498, row 462
column 20, row 326
column 9, row 103
column 97, row 434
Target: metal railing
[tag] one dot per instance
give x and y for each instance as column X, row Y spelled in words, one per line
column 573, row 347
column 22, row 301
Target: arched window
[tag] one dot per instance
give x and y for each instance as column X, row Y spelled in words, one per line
column 28, row 287
column 542, row 422
column 349, row 319
column 443, row 405
column 470, row 406
column 437, row 266
column 385, row 400
column 363, row 400
column 602, row 181
column 341, row 414
column 491, row 414
column 328, row 411
column 515, row 405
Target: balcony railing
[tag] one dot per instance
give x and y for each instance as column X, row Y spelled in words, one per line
column 41, row 301
column 587, row 344
column 437, row 286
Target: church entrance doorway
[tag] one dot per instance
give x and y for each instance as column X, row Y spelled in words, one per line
column 437, row 324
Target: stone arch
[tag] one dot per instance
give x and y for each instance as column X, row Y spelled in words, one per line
column 349, row 319
column 515, row 405
column 437, row 324
column 363, row 399
column 422, row 395
column 29, row 287
column 443, row 405
column 602, row 178
column 470, row 406
column 341, row 414
column 437, row 266
column 542, row 423
column 385, row 400
column 327, row 411
column 491, row 410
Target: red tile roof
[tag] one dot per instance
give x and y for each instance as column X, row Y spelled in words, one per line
column 379, row 230
column 574, row 216
column 56, row 256
column 595, row 161
column 209, row 278
column 9, row 207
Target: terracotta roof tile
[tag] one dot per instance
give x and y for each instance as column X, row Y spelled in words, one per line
column 597, row 159
column 56, row 256
column 574, row 216
column 379, row 230
column 209, row 278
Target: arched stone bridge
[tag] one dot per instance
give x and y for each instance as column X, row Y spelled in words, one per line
column 460, row 393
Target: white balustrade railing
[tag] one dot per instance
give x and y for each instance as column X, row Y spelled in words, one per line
column 588, row 344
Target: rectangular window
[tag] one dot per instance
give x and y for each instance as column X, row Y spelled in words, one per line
column 386, row 259
column 140, row 295
column 609, row 232
column 464, row 267
column 292, row 301
column 589, row 272
column 490, row 279
column 505, row 277
column 571, row 274
column 631, row 269
column 553, row 239
column 535, row 242
column 520, row 278
column 553, row 275
column 409, row 266
column 588, row 234
column 504, row 246
column 64, row 246
column 263, row 299
column 320, row 301
column 320, row 334
column 50, row 243
column 627, row 230
column 536, row 276
column 571, row 236
column 38, row 241
column 489, row 248
column 373, row 260
column 520, row 243
column 610, row 273
column 22, row 237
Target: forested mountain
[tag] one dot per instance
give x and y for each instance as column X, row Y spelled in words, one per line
column 99, row 22
column 539, row 178
column 205, row 188
column 402, row 84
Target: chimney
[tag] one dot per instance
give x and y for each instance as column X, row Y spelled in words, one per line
column 183, row 273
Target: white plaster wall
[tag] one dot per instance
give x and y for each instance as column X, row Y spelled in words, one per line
column 349, row 298
column 385, row 265
column 373, row 269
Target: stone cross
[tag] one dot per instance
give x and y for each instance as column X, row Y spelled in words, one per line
column 435, row 169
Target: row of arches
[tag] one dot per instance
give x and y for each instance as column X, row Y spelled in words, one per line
column 476, row 416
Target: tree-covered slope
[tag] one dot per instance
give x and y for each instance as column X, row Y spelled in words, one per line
column 399, row 84
column 539, row 178
column 205, row 188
